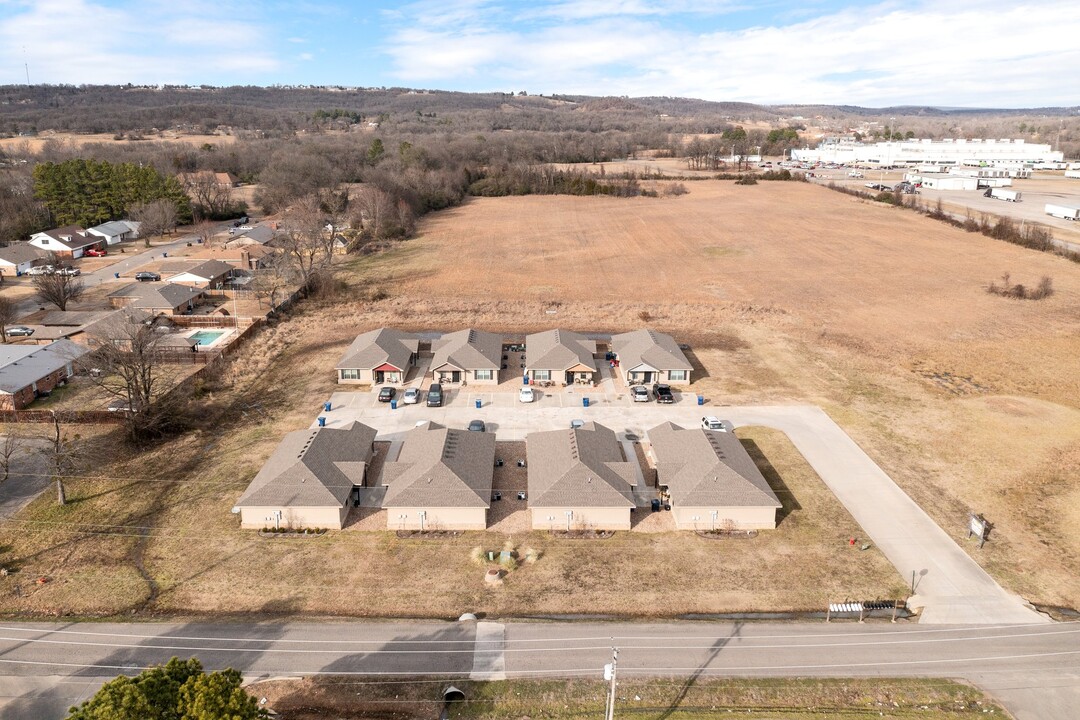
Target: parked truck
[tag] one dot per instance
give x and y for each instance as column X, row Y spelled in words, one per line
column 1003, row 194
column 1063, row 211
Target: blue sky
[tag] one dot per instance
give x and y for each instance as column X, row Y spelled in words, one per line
column 948, row 52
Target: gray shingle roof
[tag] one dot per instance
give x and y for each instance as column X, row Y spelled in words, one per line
column 313, row 468
column 23, row 365
column 705, row 468
column 441, row 467
column 378, row 347
column 208, row 269
column 20, row 252
column 468, row 350
column 578, row 468
column 75, row 234
column 558, row 350
column 655, row 349
column 157, row 295
column 116, row 227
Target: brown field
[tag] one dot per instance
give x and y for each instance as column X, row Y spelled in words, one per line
column 34, row 143
column 787, row 293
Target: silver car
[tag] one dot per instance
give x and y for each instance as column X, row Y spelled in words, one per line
column 640, row 393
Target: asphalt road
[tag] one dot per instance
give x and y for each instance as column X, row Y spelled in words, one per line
column 1033, row 670
column 951, row 588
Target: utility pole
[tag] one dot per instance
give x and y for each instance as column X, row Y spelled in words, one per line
column 609, row 674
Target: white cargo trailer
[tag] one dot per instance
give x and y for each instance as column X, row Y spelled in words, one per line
column 1072, row 173
column 1063, row 211
column 1003, row 194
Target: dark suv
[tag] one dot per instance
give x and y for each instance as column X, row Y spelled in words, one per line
column 435, row 395
column 663, row 393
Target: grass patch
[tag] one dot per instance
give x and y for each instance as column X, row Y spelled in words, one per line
column 647, row 699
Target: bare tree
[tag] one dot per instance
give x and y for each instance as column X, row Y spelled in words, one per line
column 307, row 253
column 58, row 288
column 62, row 457
column 127, row 360
column 11, row 444
column 205, row 230
column 8, row 312
column 209, row 197
column 157, row 218
column 270, row 280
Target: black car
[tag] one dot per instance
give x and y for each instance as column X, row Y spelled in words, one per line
column 435, row 395
column 477, row 426
column 662, row 393
column 386, row 394
column 145, row 276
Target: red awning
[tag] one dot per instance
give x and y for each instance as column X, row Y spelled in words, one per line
column 387, row 367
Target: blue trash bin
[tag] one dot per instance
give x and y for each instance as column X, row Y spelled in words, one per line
column 585, row 402
column 393, row 404
column 322, row 421
column 525, row 379
column 478, row 403
column 116, row 275
column 164, row 254
column 700, row 399
column 326, row 406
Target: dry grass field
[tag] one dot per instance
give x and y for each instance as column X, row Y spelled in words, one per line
column 790, row 292
column 786, row 292
column 33, row 144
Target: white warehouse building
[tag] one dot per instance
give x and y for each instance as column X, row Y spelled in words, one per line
column 923, row 152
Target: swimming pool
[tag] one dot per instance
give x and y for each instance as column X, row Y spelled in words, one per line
column 206, row 337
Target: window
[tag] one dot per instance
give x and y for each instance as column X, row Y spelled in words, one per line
column 677, row 375
column 483, row 374
column 351, row 374
column 541, row 374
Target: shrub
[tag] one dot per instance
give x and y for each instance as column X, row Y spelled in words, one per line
column 477, row 556
column 644, row 316
column 746, row 180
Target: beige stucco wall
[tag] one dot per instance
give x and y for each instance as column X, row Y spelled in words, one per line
column 437, row 518
column 745, row 518
column 585, row 518
column 363, row 378
column 312, row 517
column 660, row 376
column 466, row 376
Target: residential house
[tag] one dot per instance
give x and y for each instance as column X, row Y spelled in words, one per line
column 28, row 371
column 647, row 356
column 67, row 243
column 241, row 257
column 378, row 357
column 711, row 480
column 579, row 479
column 258, row 235
column 560, row 356
column 17, row 258
column 81, row 326
column 157, row 297
column 441, row 480
column 116, row 231
column 309, row 479
column 467, row 356
column 207, row 274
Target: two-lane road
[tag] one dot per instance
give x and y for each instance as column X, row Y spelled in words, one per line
column 1034, row 670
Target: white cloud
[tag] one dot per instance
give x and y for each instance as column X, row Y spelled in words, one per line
column 83, row 41
column 958, row 53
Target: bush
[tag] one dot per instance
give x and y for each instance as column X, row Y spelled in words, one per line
column 746, row 180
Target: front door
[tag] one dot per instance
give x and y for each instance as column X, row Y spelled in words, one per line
column 647, row 377
column 380, row 377
column 455, row 376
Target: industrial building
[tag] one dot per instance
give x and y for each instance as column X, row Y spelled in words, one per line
column 922, row 152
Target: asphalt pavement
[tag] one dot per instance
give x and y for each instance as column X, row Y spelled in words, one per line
column 1033, row 670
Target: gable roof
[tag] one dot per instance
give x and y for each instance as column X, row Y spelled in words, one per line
column 22, row 365
column 377, row 347
column 468, row 350
column 583, row 467
column 558, row 350
column 115, row 227
column 707, row 468
column 20, row 252
column 441, row 467
column 156, row 295
column 655, row 349
column 313, row 468
column 207, row 269
column 260, row 234
column 76, row 237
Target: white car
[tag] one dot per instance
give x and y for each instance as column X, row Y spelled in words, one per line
column 711, row 422
column 526, row 394
column 640, row 393
column 411, row 396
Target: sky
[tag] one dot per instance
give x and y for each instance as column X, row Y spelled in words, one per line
column 955, row 53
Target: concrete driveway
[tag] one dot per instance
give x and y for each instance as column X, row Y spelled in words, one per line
column 950, row 586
